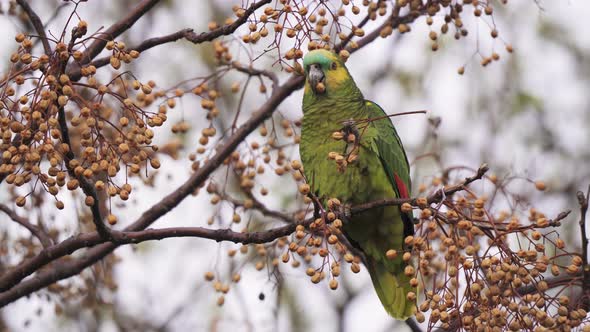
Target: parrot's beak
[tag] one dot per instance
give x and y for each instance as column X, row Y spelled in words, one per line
column 316, row 76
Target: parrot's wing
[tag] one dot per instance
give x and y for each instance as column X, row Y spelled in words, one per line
column 390, row 149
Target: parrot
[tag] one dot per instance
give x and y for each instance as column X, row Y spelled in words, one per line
column 350, row 150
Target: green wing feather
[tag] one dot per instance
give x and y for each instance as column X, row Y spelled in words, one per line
column 388, row 277
column 393, row 157
column 389, row 146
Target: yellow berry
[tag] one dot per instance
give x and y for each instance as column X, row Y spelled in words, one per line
column 540, row 185
column 89, row 201
column 333, row 284
column 304, row 189
column 391, row 254
column 112, row 219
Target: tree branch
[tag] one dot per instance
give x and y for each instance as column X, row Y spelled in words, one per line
column 551, row 282
column 37, row 24
column 156, row 41
column 36, row 231
column 226, row 29
column 74, row 73
column 258, row 206
column 394, row 20
column 45, row 278
column 256, row 72
column 134, row 234
column 87, row 187
column 187, row 34
column 29, row 266
column 117, row 29
column 583, row 202
column 206, row 233
column 434, row 198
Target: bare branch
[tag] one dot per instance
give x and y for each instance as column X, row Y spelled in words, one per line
column 226, row 29
column 583, row 202
column 14, row 275
column 434, row 198
column 27, row 267
column 74, row 72
column 37, row 24
column 117, row 29
column 187, row 34
column 257, row 72
column 156, row 41
column 257, row 205
column 212, row 234
column 87, row 187
column 551, row 282
column 133, row 233
column 394, row 20
column 36, row 231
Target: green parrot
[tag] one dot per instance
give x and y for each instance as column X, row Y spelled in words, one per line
column 357, row 162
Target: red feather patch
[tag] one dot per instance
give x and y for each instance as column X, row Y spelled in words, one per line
column 401, row 186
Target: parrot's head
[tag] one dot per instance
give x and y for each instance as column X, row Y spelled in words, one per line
column 324, row 71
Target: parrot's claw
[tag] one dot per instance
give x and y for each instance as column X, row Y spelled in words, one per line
column 348, row 123
column 349, row 127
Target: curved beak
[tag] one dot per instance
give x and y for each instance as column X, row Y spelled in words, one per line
column 315, row 76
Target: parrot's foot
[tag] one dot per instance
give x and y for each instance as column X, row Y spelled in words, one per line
column 352, row 138
column 351, row 132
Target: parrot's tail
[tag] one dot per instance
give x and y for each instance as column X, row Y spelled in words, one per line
column 392, row 287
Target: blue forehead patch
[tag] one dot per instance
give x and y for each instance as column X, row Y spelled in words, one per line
column 321, row 56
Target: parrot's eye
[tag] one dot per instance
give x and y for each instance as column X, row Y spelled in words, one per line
column 334, row 65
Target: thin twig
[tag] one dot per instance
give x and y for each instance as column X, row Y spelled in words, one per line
column 187, row 34
column 36, row 231
column 135, row 233
column 583, row 202
column 391, row 116
column 12, row 277
column 37, row 24
column 257, row 72
column 552, row 282
column 205, row 233
column 228, row 28
column 258, row 206
column 348, row 38
column 74, row 73
column 87, row 187
column 394, row 20
column 117, row 29
column 434, row 198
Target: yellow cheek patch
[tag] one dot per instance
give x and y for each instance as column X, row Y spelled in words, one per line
column 334, row 78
